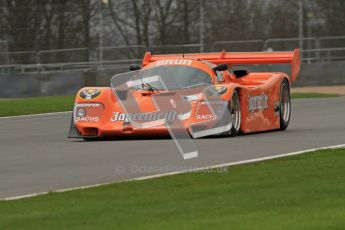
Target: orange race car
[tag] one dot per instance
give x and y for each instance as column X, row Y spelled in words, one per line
column 197, row 93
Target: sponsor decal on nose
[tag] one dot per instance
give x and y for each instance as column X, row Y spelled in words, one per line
column 89, row 94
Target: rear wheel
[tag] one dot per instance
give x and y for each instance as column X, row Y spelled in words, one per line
column 285, row 105
column 235, row 114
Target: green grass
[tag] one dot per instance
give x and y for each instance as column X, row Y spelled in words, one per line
column 33, row 105
column 313, row 95
column 300, row 192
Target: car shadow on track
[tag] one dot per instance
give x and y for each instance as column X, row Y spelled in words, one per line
column 167, row 137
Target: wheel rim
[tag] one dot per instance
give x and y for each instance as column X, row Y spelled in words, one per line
column 235, row 112
column 285, row 103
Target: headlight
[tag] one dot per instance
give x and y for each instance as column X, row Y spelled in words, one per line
column 184, row 116
column 81, row 112
column 191, row 98
column 221, row 89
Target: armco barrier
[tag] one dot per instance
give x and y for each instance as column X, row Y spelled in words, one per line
column 67, row 83
column 51, row 84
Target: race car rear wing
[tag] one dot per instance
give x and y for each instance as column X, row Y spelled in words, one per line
column 237, row 58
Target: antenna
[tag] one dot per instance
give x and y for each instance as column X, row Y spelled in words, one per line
column 149, row 49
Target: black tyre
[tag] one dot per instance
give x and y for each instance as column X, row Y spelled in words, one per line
column 285, row 105
column 235, row 114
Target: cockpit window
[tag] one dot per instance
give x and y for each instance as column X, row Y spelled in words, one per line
column 220, row 77
column 173, row 76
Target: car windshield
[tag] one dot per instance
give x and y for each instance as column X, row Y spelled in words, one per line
column 171, row 77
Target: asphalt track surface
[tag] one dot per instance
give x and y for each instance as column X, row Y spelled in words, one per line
column 36, row 156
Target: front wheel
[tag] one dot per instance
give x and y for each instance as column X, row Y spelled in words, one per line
column 285, row 105
column 235, row 114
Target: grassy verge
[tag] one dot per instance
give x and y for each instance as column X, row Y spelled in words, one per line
column 19, row 106
column 301, row 192
column 34, row 105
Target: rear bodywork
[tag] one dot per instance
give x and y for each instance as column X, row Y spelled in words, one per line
column 98, row 111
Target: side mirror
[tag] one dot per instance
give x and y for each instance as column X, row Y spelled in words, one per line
column 221, row 67
column 134, row 67
column 240, row 73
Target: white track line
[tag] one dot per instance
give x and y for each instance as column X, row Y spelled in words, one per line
column 34, row 115
column 180, row 172
column 42, row 114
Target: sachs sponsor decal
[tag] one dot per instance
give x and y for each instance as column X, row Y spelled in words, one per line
column 88, row 112
column 81, row 115
column 204, row 117
column 259, row 102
